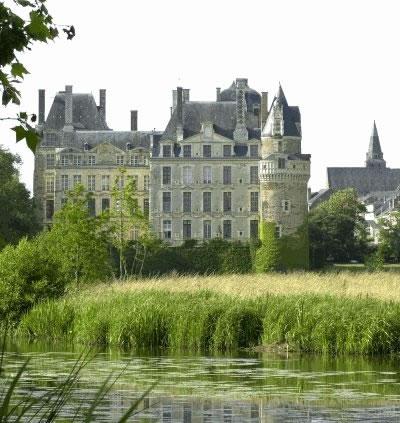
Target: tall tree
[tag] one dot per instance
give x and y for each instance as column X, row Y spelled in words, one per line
column 18, row 214
column 389, row 237
column 337, row 230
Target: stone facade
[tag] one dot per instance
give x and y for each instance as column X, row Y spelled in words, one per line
column 216, row 169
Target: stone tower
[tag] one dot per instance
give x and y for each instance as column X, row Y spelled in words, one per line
column 283, row 170
column 375, row 155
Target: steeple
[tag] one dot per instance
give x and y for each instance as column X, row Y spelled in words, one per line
column 375, row 155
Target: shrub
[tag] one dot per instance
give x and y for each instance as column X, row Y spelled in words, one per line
column 268, row 254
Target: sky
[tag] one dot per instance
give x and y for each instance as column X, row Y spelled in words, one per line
column 337, row 60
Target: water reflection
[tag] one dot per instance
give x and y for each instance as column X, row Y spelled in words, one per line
column 235, row 388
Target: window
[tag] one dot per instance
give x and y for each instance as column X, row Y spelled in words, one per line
column 187, row 202
column 92, row 206
column 278, row 231
column 77, row 160
column 227, row 150
column 254, row 229
column 187, row 151
column 254, row 150
column 166, row 151
column 187, row 229
column 167, row 229
column 50, row 184
column 207, row 229
column 254, row 174
column 187, row 175
column 207, row 151
column 281, row 163
column 227, row 200
column 120, row 160
column 50, row 160
column 49, row 209
column 134, row 234
column 105, row 204
column 133, row 179
column 119, row 181
column 105, row 182
column 166, row 202
column 134, row 160
column 64, row 182
column 206, row 202
column 91, row 160
column 286, row 206
column 256, row 110
column 146, row 180
column 77, row 179
column 64, row 160
column 91, row 182
column 254, row 201
column 207, row 175
column 146, row 207
column 227, row 175
column 146, row 160
column 227, row 229
column 51, row 139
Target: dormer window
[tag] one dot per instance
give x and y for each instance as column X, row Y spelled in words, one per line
column 166, row 151
column 86, row 146
column 227, row 150
column 128, row 146
column 256, row 110
column 187, row 150
column 254, row 150
column 281, row 163
column 207, row 151
column 120, row 160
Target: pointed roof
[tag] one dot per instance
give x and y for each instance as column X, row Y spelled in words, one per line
column 374, row 150
column 280, row 97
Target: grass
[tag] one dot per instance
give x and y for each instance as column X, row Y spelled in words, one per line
column 338, row 314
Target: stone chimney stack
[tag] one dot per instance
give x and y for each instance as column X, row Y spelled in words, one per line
column 186, row 95
column 174, row 100
column 179, row 109
column 42, row 107
column 68, row 126
column 218, row 94
column 134, row 120
column 264, row 109
column 241, row 134
column 102, row 95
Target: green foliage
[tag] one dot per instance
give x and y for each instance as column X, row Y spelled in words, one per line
column 18, row 214
column 236, row 258
column 28, row 274
column 268, row 257
column 79, row 241
column 294, row 250
column 209, row 321
column 374, row 262
column 389, row 237
column 337, row 230
column 17, row 35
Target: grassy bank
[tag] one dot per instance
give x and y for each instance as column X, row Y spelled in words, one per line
column 197, row 314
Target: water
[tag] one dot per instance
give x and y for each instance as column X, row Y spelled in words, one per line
column 236, row 388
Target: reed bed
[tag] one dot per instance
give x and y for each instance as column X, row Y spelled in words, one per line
column 231, row 312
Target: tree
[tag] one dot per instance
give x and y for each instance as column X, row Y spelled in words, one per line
column 268, row 254
column 79, row 240
column 389, row 237
column 18, row 215
column 126, row 217
column 337, row 229
column 17, row 35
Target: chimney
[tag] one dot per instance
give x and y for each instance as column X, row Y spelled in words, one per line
column 68, row 109
column 179, row 109
column 102, row 96
column 264, row 109
column 240, row 133
column 174, row 97
column 186, row 95
column 218, row 94
column 42, row 107
column 134, row 120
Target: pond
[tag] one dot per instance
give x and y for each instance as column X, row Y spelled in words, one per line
column 243, row 387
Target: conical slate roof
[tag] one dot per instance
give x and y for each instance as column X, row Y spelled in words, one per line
column 374, row 150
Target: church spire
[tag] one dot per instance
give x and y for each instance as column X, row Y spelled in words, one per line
column 375, row 155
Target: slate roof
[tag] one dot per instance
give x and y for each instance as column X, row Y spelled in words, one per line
column 374, row 144
column 85, row 113
column 291, row 117
column 363, row 179
column 252, row 96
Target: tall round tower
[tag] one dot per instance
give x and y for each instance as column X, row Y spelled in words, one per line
column 283, row 170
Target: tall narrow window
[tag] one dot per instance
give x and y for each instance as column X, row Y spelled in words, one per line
column 278, row 231
column 281, row 163
column 187, row 151
column 207, row 175
column 64, row 182
column 254, row 174
column 146, row 181
column 105, row 204
column 254, row 150
column 206, row 202
column 187, row 202
column 207, row 151
column 227, row 175
column 91, row 160
column 92, row 206
column 105, row 182
column 77, row 179
column 167, row 229
column 77, row 160
column 166, row 151
column 91, row 182
column 166, row 175
column 50, row 184
column 227, row 229
column 187, row 229
column 254, row 201
column 49, row 209
column 187, row 175
column 120, row 160
column 286, row 205
column 227, row 150
column 254, row 229
column 146, row 207
column 50, row 160
column 64, row 160
column 227, row 200
column 207, row 229
column 119, row 181
column 166, row 202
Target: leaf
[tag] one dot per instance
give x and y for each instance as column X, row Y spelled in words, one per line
column 32, row 140
column 20, row 132
column 18, row 69
column 33, row 118
column 23, row 115
column 37, row 28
